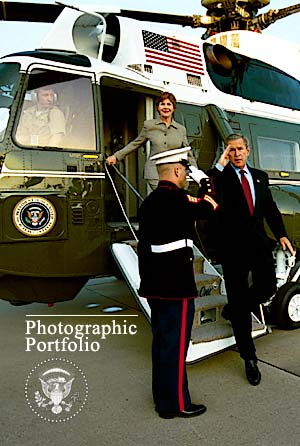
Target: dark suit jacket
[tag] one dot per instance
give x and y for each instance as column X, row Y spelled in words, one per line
column 238, row 231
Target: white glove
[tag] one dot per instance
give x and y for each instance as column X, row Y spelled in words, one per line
column 196, row 174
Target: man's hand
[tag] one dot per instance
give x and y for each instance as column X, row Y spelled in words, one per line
column 286, row 244
column 224, row 158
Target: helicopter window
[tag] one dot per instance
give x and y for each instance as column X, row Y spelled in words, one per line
column 9, row 76
column 251, row 79
column 58, row 112
column 277, row 154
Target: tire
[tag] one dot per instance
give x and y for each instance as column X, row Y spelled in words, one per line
column 294, row 270
column 285, row 307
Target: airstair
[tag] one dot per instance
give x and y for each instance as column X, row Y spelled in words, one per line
column 211, row 333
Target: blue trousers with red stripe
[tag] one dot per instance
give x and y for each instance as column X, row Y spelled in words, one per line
column 171, row 322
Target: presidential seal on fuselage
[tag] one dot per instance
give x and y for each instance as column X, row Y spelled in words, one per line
column 34, row 216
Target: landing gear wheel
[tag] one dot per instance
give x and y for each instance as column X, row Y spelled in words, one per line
column 286, row 306
column 294, row 270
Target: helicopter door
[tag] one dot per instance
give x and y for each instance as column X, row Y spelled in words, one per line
column 123, row 117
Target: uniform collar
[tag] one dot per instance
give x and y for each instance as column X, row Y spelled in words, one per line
column 167, row 184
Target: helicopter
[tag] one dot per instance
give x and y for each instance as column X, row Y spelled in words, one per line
column 62, row 208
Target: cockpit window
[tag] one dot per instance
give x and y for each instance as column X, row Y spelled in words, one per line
column 9, row 76
column 57, row 112
column 278, row 154
column 251, row 79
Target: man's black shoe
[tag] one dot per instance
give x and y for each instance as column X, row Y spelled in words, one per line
column 252, row 372
column 192, row 411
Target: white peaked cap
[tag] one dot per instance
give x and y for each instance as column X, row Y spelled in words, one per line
column 171, row 156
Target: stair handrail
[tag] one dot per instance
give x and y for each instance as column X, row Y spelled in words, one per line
column 118, row 197
column 127, row 182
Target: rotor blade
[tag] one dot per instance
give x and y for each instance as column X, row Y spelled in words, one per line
column 266, row 19
column 145, row 16
column 29, row 12
column 48, row 13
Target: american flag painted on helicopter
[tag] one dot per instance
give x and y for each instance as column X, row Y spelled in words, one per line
column 173, row 53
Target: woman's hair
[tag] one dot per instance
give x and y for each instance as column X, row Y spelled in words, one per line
column 165, row 95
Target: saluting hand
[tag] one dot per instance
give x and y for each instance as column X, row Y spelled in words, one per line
column 224, row 158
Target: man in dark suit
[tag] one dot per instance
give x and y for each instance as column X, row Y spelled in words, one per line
column 244, row 247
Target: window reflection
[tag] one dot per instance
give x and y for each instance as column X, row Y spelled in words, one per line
column 250, row 78
column 57, row 112
column 9, row 76
column 276, row 154
column 42, row 121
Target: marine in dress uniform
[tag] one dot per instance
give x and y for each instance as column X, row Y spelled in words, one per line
column 165, row 249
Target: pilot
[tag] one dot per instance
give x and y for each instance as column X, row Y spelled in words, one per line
column 165, row 251
column 44, row 123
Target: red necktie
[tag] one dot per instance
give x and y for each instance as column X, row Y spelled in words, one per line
column 247, row 191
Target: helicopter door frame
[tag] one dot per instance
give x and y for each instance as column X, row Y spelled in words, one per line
column 113, row 138
column 150, row 114
column 122, row 113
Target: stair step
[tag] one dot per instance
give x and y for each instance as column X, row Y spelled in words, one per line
column 198, row 265
column 208, row 309
column 207, row 284
column 122, row 226
column 132, row 243
column 211, row 331
column 216, row 330
column 212, row 301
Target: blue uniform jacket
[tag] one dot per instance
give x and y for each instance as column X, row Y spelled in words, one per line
column 168, row 215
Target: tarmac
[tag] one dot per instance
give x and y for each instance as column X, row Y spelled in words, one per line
column 111, row 404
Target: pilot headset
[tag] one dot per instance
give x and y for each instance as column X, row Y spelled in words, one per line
column 34, row 95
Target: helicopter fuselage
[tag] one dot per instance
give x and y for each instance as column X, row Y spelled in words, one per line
column 59, row 208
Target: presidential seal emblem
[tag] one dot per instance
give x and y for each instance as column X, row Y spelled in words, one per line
column 34, row 216
column 56, row 390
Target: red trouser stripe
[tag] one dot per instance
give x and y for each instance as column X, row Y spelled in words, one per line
column 182, row 355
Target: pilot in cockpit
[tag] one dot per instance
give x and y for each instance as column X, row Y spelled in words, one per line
column 42, row 124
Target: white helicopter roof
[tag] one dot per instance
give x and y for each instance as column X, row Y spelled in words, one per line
column 272, row 50
column 81, row 30
column 139, row 42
